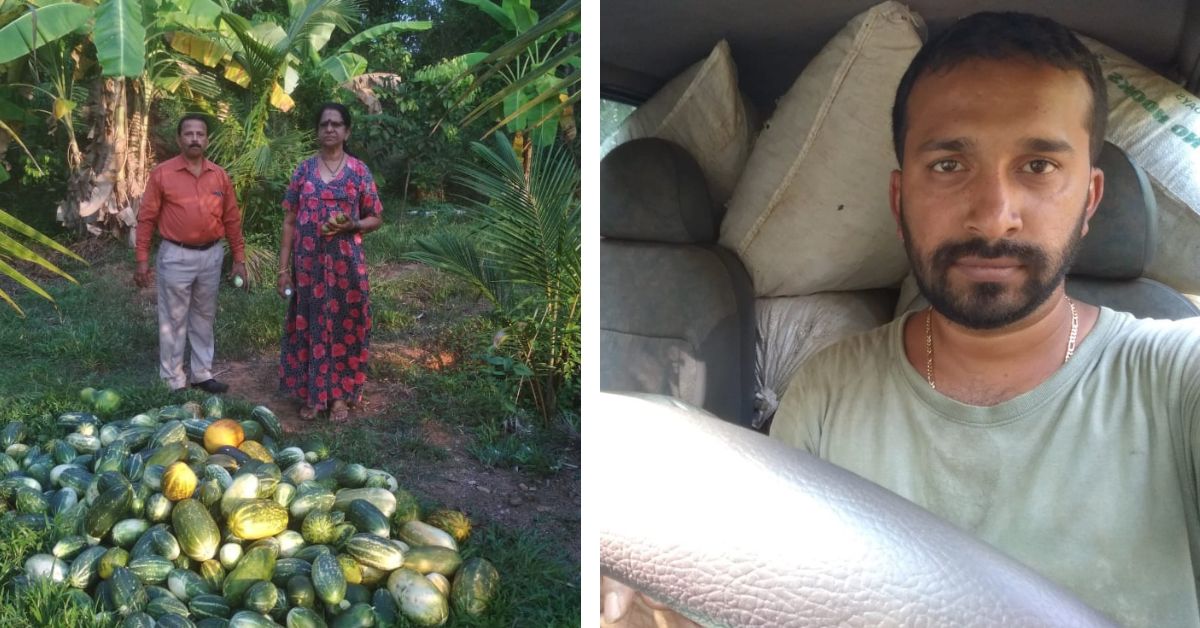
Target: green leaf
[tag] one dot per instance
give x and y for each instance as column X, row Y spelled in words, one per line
column 53, row 22
column 523, row 16
column 11, row 222
column 120, row 37
column 378, row 31
column 319, row 35
column 207, row 50
column 345, row 66
column 196, row 14
column 494, row 11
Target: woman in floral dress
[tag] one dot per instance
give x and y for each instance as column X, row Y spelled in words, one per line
column 330, row 202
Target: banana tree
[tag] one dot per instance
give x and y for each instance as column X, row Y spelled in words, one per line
column 266, row 59
column 539, row 68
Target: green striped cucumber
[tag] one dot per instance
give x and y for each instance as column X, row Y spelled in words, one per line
column 210, row 605
column 301, row 617
column 151, row 569
column 432, row 559
column 128, row 594
column 186, row 584
column 367, row 518
column 261, row 597
column 195, row 530
column 166, row 605
column 374, row 551
column 329, row 581
column 258, row 563
column 108, row 509
column 85, row 569
column 359, row 615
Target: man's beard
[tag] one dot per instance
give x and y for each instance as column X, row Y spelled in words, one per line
column 981, row 305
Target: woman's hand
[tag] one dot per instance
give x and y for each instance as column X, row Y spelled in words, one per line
column 284, row 286
column 339, row 224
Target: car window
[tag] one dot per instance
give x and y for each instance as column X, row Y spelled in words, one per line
column 612, row 114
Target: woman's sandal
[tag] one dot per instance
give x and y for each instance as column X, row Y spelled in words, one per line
column 339, row 413
column 308, row 413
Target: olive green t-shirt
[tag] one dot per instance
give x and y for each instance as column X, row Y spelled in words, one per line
column 1090, row 478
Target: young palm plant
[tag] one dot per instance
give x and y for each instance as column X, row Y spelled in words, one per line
column 523, row 256
column 13, row 250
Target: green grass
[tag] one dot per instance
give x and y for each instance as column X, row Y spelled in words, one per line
column 401, row 229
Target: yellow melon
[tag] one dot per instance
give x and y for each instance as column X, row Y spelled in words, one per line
column 221, row 433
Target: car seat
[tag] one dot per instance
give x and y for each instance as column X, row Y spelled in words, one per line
column 1120, row 245
column 1117, row 250
column 676, row 309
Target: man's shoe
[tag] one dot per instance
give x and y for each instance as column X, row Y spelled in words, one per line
column 211, row 386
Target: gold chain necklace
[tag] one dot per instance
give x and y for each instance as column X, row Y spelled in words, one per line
column 929, row 340
column 333, row 171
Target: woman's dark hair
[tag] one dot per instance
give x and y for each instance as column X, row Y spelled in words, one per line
column 1004, row 36
column 336, row 106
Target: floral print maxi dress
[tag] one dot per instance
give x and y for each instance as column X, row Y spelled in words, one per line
column 328, row 327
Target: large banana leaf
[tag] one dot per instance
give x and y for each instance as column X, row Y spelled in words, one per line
column 305, row 17
column 345, row 66
column 378, row 31
column 53, row 22
column 120, row 38
column 207, row 50
column 195, row 14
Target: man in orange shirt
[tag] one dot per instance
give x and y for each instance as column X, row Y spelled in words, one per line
column 189, row 200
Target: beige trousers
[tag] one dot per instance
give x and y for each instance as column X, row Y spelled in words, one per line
column 187, row 305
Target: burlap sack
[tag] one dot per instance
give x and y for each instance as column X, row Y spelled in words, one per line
column 792, row 329
column 702, row 111
column 810, row 213
column 1157, row 123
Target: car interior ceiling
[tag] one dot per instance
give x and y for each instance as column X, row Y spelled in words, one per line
column 772, row 40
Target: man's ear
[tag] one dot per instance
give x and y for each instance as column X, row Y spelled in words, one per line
column 894, row 200
column 1095, row 194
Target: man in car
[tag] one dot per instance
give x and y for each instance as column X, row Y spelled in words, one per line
column 190, row 202
column 1062, row 433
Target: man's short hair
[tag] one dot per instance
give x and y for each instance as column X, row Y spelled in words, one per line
column 1004, row 36
column 191, row 116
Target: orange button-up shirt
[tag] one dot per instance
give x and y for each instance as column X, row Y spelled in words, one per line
column 189, row 209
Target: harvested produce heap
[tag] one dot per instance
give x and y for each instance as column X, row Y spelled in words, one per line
column 182, row 517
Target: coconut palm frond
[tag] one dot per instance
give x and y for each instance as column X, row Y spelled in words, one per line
column 458, row 255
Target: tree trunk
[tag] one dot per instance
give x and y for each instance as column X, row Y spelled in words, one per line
column 104, row 191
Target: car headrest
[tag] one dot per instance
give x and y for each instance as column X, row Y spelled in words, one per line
column 1123, row 233
column 652, row 190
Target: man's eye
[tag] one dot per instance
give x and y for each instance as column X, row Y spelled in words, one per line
column 947, row 165
column 1040, row 166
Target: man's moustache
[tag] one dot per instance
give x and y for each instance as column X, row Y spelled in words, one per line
column 977, row 247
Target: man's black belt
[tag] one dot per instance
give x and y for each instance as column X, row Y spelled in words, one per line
column 194, row 247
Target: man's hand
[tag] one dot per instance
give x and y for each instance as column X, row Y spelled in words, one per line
column 623, row 607
column 239, row 270
column 143, row 277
